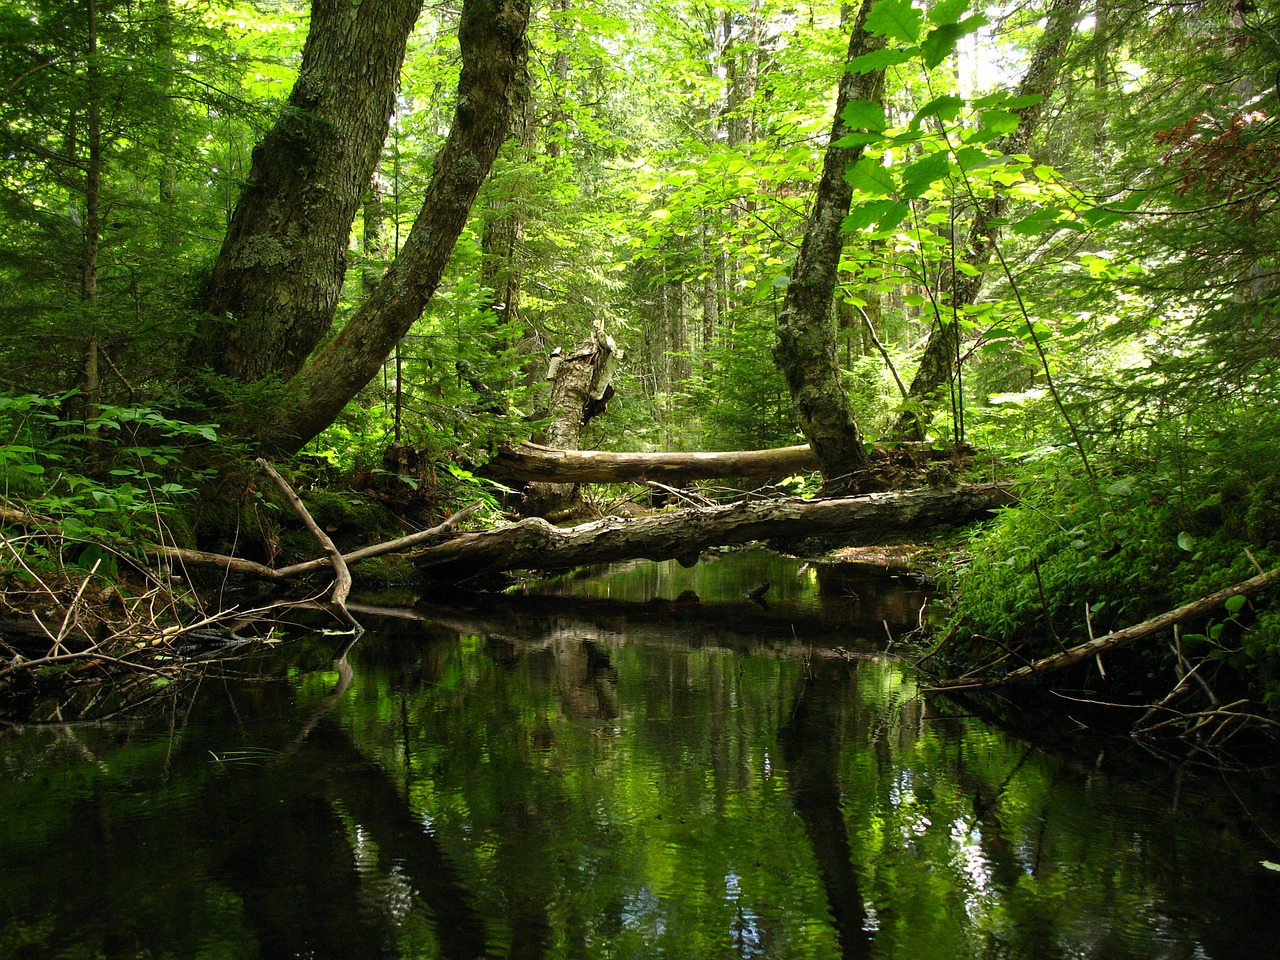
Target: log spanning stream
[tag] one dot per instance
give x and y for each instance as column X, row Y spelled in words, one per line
column 637, row 762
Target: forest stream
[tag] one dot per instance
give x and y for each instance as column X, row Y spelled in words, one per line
column 634, row 762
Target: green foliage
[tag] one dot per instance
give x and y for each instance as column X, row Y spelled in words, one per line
column 1078, row 559
column 125, row 471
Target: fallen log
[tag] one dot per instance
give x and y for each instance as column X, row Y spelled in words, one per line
column 531, row 462
column 534, row 544
column 1115, row 639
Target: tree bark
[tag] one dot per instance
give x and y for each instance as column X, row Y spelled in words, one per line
column 938, row 363
column 491, row 34
column 806, row 349
column 580, row 389
column 534, row 544
column 530, row 462
column 277, row 281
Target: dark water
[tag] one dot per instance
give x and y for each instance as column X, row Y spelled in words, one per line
column 640, row 764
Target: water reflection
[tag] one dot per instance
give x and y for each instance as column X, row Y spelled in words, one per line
column 545, row 777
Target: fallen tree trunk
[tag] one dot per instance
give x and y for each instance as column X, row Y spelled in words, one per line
column 534, row 544
column 1114, row 640
column 531, row 462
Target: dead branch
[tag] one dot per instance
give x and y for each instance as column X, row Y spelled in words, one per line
column 341, row 574
column 251, row 568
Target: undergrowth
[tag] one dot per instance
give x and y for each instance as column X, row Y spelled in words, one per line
column 1079, row 558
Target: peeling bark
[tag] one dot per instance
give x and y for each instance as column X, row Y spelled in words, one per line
column 580, row 389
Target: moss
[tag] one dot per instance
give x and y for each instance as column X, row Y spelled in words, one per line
column 385, row 571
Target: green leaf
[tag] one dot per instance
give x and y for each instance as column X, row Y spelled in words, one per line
column 880, row 59
column 859, row 139
column 869, row 176
column 1234, row 604
column 896, row 19
column 1186, row 541
column 863, row 215
column 1113, row 213
column 863, row 115
column 946, row 107
column 1036, row 223
column 893, row 215
column 939, row 44
column 1027, row 100
column 999, row 122
column 948, row 11
column 924, row 173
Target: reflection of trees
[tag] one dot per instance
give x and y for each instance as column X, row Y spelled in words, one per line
column 553, row 795
column 812, row 741
column 283, row 838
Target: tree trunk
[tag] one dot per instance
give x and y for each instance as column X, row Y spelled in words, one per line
column 491, row 34
column 277, row 281
column 938, row 363
column 806, row 348
column 529, row 462
column 580, row 389
column 534, row 544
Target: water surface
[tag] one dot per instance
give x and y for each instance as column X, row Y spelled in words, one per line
column 637, row 763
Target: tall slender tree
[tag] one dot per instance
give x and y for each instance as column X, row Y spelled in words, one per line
column 806, row 349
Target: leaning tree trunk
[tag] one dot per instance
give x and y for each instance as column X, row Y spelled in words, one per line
column 277, row 281
column 491, row 34
column 806, row 348
column 580, row 388
column 938, row 363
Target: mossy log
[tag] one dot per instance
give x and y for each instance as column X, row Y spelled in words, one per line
column 534, row 544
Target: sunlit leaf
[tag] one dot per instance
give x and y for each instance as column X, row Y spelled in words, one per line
column 869, row 176
column 946, row 107
column 896, row 19
column 924, row 173
column 948, row 11
column 880, row 59
column 863, row 115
